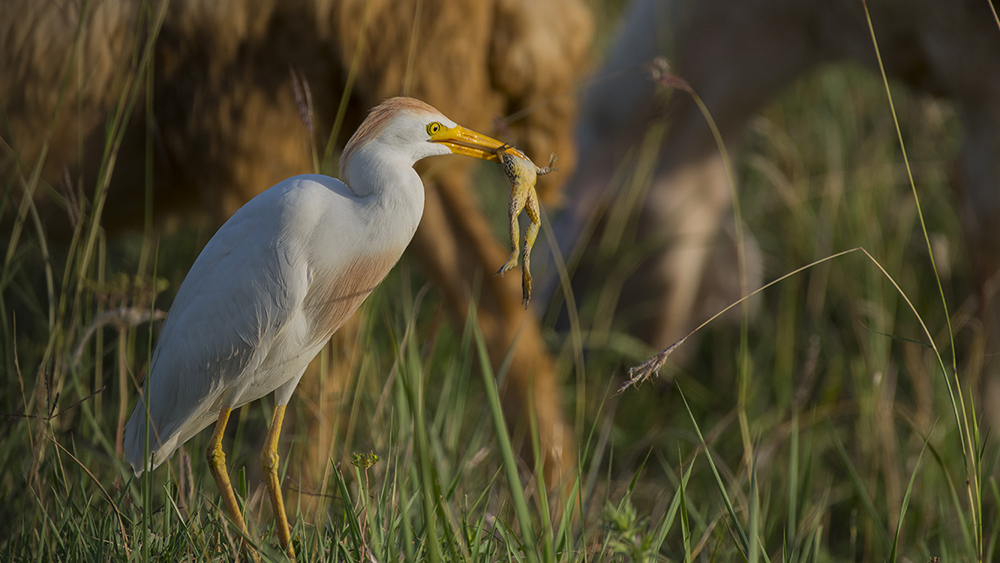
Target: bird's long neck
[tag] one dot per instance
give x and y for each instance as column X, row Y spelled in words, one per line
column 389, row 182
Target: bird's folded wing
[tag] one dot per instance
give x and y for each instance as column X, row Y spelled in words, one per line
column 237, row 297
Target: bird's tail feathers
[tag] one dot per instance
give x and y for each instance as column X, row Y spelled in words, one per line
column 135, row 442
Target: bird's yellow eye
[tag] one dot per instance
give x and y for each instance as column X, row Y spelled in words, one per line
column 434, row 128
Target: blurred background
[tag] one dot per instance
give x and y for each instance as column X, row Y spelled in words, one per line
column 817, row 422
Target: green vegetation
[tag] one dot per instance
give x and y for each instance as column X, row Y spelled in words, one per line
column 827, row 429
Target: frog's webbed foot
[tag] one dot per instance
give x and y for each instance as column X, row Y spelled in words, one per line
column 509, row 265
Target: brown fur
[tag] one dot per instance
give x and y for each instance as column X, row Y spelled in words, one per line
column 225, row 123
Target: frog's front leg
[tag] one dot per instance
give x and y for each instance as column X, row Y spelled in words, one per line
column 550, row 168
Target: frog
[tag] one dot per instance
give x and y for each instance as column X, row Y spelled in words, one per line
column 522, row 174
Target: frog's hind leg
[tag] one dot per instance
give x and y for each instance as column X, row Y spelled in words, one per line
column 531, row 207
column 516, row 205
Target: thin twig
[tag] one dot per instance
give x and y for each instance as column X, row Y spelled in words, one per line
column 125, row 317
column 651, row 367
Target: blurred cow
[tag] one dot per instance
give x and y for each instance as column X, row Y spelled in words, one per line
column 738, row 55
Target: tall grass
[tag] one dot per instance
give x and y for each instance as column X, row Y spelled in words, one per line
column 830, row 437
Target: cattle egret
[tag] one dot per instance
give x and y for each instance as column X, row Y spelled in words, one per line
column 277, row 280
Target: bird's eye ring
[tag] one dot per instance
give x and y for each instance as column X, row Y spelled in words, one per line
column 434, row 128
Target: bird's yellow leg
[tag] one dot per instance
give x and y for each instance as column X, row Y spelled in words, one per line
column 217, row 463
column 531, row 208
column 269, row 464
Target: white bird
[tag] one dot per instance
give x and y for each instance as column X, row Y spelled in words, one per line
column 277, row 280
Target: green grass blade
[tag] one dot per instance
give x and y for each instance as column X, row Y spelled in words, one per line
column 506, row 450
column 859, row 487
column 906, row 503
column 734, row 521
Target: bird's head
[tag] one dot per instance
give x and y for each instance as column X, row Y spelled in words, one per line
column 411, row 129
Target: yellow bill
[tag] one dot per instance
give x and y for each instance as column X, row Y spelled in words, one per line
column 468, row 142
